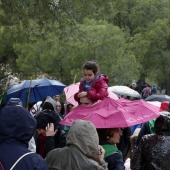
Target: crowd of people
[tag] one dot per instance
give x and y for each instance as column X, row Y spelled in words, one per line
column 35, row 139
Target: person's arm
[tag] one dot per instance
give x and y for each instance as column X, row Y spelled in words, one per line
column 144, row 130
column 102, row 163
column 40, row 163
column 124, row 144
column 99, row 92
column 49, row 140
column 76, row 97
column 136, row 162
column 60, row 139
column 115, row 162
column 49, row 144
column 53, row 156
column 57, row 141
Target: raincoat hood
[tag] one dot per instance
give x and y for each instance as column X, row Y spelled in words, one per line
column 105, row 78
column 162, row 123
column 52, row 102
column 100, row 77
column 83, row 135
column 17, row 124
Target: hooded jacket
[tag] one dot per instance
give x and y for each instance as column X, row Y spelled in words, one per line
column 153, row 152
column 81, row 152
column 51, row 104
column 49, row 142
column 98, row 91
column 17, row 126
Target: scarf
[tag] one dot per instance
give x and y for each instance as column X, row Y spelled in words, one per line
column 87, row 86
column 110, row 149
column 41, row 150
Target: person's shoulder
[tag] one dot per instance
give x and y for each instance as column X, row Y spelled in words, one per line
column 115, row 159
column 35, row 160
column 34, row 157
column 104, row 78
column 81, row 80
column 149, row 137
column 56, row 154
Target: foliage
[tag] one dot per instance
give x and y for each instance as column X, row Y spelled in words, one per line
column 54, row 38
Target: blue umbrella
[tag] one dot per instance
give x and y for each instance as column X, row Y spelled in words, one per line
column 36, row 89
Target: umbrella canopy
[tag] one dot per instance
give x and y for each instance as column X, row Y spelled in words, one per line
column 37, row 89
column 74, row 88
column 70, row 91
column 110, row 113
column 124, row 90
column 158, row 97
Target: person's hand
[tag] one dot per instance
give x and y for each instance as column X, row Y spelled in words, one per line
column 50, row 129
column 101, row 153
column 82, row 94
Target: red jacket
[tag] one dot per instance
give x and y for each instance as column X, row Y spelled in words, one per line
column 98, row 91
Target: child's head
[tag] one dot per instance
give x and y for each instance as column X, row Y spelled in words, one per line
column 90, row 70
column 91, row 65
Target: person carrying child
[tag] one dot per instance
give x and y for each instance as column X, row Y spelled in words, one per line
column 94, row 85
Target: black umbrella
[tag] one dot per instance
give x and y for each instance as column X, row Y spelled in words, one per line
column 158, row 97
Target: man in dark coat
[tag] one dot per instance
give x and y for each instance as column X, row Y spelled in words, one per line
column 153, row 152
column 17, row 126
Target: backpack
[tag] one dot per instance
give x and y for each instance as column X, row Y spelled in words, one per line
column 2, row 168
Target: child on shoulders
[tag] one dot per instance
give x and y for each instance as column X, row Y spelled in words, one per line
column 93, row 85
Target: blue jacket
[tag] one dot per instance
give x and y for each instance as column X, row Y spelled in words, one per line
column 17, row 126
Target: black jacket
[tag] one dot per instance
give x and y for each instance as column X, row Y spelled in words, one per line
column 153, row 152
column 52, row 142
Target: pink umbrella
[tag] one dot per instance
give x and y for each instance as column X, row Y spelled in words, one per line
column 74, row 88
column 110, row 113
column 70, row 91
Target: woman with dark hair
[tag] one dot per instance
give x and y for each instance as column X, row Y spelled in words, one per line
column 108, row 138
column 60, row 108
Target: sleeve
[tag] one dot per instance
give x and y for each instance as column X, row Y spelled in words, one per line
column 103, row 164
column 60, row 139
column 124, row 144
column 115, row 162
column 76, row 98
column 52, row 157
column 144, row 130
column 49, row 144
column 136, row 161
column 99, row 91
column 57, row 141
column 42, row 165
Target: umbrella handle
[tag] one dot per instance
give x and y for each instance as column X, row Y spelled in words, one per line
column 28, row 96
column 74, row 79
